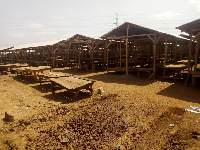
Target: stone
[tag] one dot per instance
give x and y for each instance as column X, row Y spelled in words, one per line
column 8, row 117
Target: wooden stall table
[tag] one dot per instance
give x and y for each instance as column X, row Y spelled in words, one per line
column 20, row 71
column 48, row 75
column 4, row 68
column 185, row 62
column 34, row 70
column 72, row 84
column 177, row 68
column 9, row 67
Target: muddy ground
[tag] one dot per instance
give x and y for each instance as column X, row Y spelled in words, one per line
column 132, row 113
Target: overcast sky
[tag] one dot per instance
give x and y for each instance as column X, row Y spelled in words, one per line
column 30, row 21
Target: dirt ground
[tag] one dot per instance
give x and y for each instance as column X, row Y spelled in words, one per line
column 132, row 113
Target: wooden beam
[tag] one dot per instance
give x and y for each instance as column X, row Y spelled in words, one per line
column 109, row 43
column 196, row 36
column 195, row 29
column 56, row 48
column 151, row 39
column 124, row 37
column 159, row 38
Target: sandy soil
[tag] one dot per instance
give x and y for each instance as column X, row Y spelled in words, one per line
column 133, row 113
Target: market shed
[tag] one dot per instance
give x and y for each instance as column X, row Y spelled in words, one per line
column 4, row 54
column 82, row 51
column 33, row 53
column 193, row 29
column 147, row 42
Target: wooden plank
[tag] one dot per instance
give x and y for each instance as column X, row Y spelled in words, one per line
column 71, row 82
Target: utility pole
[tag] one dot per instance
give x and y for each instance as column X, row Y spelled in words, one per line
column 116, row 20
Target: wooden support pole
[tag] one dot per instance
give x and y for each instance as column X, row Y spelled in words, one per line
column 53, row 57
column 165, row 60
column 175, row 51
column 181, row 50
column 43, row 52
column 79, row 56
column 120, row 54
column 107, row 58
column 127, row 50
column 68, row 53
column 189, row 59
column 105, row 52
column 154, row 63
column 92, row 50
column 190, row 53
column 141, row 55
column 196, row 53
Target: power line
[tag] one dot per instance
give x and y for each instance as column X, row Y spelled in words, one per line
column 116, row 20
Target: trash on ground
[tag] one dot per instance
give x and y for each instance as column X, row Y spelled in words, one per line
column 196, row 108
column 100, row 90
column 192, row 111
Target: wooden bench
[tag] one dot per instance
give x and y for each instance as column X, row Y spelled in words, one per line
column 176, row 68
column 72, row 84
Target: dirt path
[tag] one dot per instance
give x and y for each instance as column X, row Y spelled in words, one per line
column 132, row 113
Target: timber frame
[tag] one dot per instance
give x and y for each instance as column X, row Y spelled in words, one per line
column 193, row 30
column 143, row 37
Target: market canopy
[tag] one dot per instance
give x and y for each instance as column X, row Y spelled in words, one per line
column 191, row 27
column 135, row 32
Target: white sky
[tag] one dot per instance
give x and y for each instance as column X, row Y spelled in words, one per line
column 30, row 21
